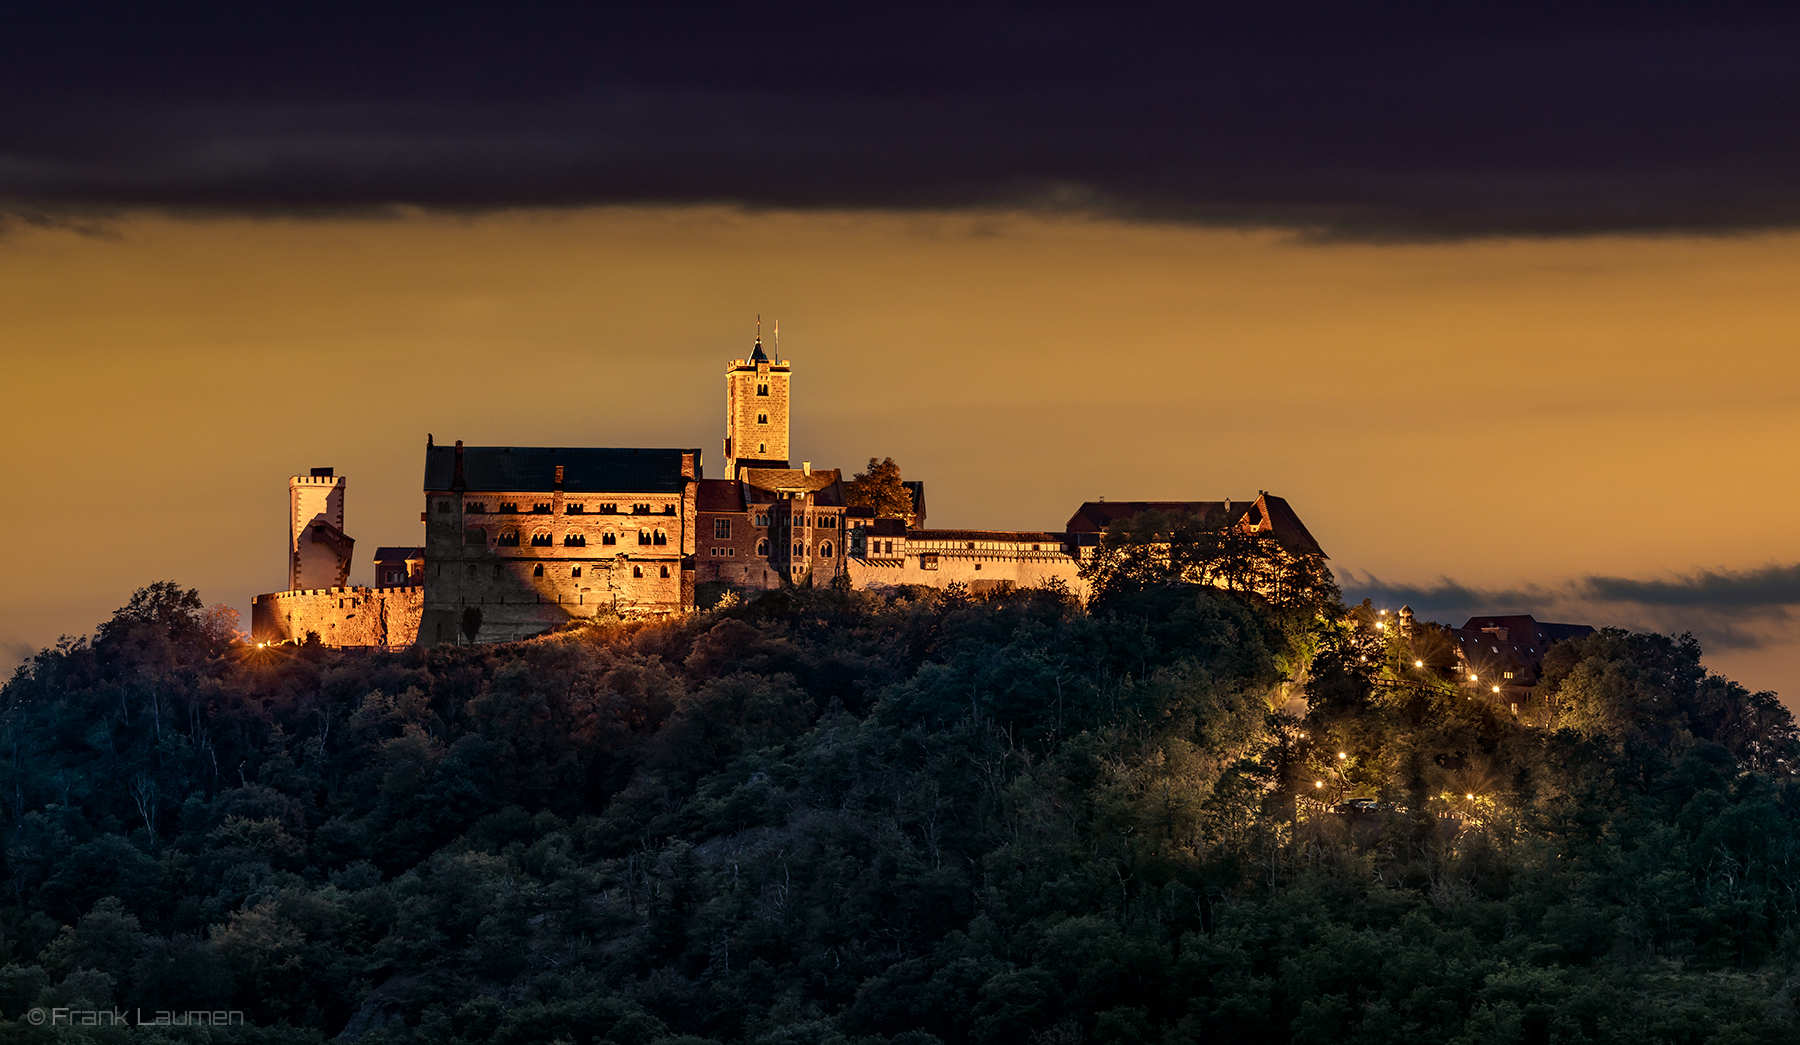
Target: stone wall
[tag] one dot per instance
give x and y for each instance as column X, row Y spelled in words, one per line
column 348, row 616
column 978, row 571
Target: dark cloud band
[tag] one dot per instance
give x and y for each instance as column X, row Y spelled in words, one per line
column 1337, row 126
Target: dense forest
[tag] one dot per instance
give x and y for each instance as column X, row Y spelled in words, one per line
column 831, row 816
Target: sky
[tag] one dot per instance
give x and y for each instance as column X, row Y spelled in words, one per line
column 1504, row 308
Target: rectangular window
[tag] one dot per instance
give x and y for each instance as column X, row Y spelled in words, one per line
column 722, row 529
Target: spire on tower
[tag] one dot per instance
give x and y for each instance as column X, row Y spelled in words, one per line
column 757, row 355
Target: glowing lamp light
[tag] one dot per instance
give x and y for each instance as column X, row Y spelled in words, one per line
column 1342, row 755
column 1418, row 663
column 1379, row 624
column 1471, row 678
column 1496, row 689
column 1318, row 783
column 1384, row 613
column 1469, row 796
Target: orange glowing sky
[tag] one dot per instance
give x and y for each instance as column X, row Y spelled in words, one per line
column 1505, row 414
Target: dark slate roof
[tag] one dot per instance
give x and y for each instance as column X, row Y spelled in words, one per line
column 1015, row 536
column 886, row 528
column 757, row 355
column 1096, row 516
column 387, row 554
column 719, row 495
column 532, row 469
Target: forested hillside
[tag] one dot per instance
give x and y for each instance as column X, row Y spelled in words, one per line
column 825, row 816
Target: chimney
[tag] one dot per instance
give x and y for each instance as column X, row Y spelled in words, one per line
column 806, row 467
column 559, row 479
column 457, row 483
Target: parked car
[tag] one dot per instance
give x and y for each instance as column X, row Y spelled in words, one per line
column 1356, row 805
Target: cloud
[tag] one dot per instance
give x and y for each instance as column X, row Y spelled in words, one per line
column 1334, row 124
column 1725, row 609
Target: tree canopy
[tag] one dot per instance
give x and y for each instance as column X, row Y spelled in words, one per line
column 844, row 817
column 880, row 488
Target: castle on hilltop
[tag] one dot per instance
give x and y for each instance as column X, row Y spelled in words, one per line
column 521, row 540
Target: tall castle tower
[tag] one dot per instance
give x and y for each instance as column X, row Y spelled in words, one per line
column 756, row 411
column 318, row 550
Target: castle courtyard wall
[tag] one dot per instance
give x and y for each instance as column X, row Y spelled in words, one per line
column 349, row 616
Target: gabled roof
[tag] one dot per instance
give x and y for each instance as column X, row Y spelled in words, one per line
column 395, row 554
column 532, row 469
column 1267, row 512
column 825, row 484
column 719, row 495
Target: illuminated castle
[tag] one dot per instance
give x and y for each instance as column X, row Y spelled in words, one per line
column 522, row 540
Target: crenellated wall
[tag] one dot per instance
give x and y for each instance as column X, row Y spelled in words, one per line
column 347, row 616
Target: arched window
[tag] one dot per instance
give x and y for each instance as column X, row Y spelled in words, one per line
column 576, row 572
column 540, row 539
column 762, row 419
column 643, row 536
column 665, row 571
column 662, row 537
column 637, row 571
column 799, row 550
column 474, row 535
column 762, row 390
column 825, row 550
column 609, row 537
column 575, row 540
column 762, row 548
column 538, row 570
column 762, row 448
column 508, row 539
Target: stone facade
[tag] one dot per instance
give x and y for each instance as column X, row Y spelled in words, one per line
column 345, row 616
column 981, row 560
column 756, row 412
column 520, row 540
column 772, row 526
column 318, row 550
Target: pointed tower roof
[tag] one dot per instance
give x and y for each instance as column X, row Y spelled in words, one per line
column 757, row 356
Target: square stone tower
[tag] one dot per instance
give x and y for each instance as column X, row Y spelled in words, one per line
column 318, row 550
column 756, row 412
